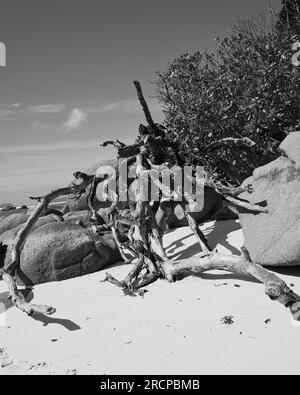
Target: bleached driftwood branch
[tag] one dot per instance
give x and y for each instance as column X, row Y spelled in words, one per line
column 8, row 273
column 275, row 288
column 152, row 256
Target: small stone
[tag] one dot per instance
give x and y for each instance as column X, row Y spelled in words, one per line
column 71, row 372
column 142, row 292
column 227, row 320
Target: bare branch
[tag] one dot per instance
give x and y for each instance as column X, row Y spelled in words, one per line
column 275, row 288
column 19, row 300
column 9, row 271
column 246, row 205
column 144, row 105
column 116, row 143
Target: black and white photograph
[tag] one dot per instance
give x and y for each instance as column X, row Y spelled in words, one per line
column 149, row 190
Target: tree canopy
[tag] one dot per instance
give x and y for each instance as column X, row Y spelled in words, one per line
column 247, row 88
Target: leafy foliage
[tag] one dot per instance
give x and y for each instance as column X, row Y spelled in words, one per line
column 289, row 16
column 248, row 88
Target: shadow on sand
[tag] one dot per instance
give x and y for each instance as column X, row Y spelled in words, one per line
column 217, row 234
column 46, row 320
column 293, row 271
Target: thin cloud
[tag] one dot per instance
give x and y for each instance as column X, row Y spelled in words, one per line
column 77, row 116
column 6, row 113
column 47, row 109
column 8, row 110
column 50, row 147
column 40, row 126
column 15, row 112
column 127, row 106
column 76, row 119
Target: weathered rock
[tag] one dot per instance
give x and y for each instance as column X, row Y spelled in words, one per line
column 16, row 221
column 59, row 251
column 273, row 238
column 290, row 147
column 12, row 221
column 103, row 167
column 212, row 202
column 79, row 217
column 81, row 204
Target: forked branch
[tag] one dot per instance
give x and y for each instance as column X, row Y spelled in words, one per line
column 8, row 273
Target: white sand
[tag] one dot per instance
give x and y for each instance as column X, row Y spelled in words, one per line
column 174, row 329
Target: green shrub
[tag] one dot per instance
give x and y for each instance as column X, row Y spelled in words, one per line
column 248, row 88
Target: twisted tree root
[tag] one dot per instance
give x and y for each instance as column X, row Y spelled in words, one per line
column 275, row 288
column 157, row 263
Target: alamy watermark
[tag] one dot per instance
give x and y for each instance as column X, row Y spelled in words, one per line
column 2, row 55
column 159, row 182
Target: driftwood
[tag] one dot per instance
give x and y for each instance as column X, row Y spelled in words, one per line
column 143, row 238
column 152, row 255
column 8, row 273
column 275, row 288
column 144, row 105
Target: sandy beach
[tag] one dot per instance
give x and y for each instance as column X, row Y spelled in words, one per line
column 174, row 329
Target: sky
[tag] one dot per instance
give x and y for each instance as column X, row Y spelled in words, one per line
column 67, row 84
